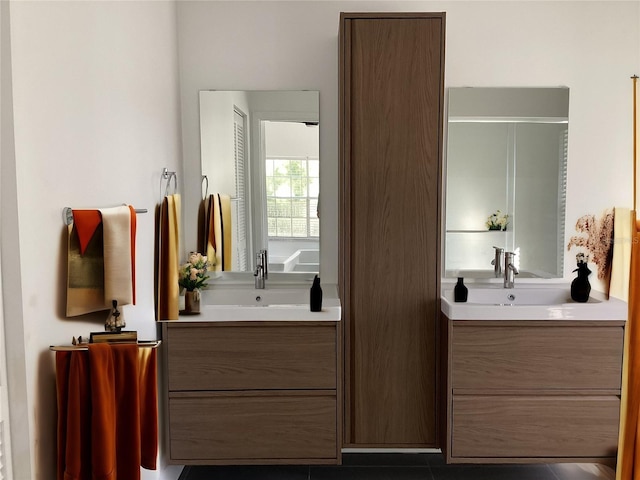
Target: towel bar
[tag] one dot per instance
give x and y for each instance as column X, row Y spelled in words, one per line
column 71, row 348
column 67, row 214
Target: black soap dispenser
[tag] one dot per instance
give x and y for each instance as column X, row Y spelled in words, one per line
column 460, row 291
column 580, row 286
column 316, row 295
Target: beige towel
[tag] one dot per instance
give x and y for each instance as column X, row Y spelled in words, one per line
column 117, row 255
column 622, row 239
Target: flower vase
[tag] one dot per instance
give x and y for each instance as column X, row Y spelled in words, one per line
column 192, row 302
column 580, row 286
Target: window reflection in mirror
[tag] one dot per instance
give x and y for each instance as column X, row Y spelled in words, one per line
column 262, row 149
column 507, row 151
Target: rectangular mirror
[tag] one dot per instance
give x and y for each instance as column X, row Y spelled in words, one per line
column 261, row 148
column 506, row 153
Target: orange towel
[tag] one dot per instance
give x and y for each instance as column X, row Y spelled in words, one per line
column 107, row 412
column 628, row 458
column 148, row 381
column 74, row 416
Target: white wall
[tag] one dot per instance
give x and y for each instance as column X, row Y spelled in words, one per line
column 97, row 114
column 96, row 118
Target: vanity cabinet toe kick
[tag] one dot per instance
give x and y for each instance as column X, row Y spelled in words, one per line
column 531, row 391
column 252, row 392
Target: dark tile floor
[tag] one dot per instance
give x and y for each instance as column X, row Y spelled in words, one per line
column 401, row 466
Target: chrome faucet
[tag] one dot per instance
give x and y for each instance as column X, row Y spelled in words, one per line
column 497, row 262
column 510, row 270
column 261, row 272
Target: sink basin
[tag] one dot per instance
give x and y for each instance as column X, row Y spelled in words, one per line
column 244, row 302
column 530, row 302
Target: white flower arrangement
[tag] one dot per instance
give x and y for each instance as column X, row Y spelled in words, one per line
column 193, row 274
column 497, row 221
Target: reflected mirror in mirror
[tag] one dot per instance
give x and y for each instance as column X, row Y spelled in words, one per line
column 507, row 152
column 261, row 148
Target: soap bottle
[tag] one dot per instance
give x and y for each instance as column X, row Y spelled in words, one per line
column 316, row 295
column 580, row 286
column 460, row 291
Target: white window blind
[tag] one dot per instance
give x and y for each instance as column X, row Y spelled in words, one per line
column 239, row 204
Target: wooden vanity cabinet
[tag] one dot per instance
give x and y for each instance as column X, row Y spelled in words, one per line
column 532, row 391
column 252, row 392
column 391, row 120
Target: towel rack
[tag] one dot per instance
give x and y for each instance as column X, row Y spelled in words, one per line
column 85, row 346
column 67, row 214
column 205, row 182
column 167, row 175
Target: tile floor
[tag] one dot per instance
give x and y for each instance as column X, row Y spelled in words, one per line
column 401, row 466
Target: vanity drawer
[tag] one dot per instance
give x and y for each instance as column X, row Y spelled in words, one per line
column 534, row 426
column 532, row 357
column 252, row 426
column 251, row 357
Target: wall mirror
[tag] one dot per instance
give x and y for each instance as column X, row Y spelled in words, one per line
column 507, row 152
column 261, row 148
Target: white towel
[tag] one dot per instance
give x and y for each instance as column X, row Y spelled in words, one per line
column 118, row 281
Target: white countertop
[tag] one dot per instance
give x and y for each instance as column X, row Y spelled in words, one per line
column 232, row 303
column 529, row 302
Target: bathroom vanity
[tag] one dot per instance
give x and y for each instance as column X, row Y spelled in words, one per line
column 240, row 390
column 531, row 390
column 252, row 392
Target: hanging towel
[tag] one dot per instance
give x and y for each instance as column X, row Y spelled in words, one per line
column 90, row 286
column 622, row 238
column 629, row 431
column 107, row 412
column 118, row 256
column 74, row 416
column 219, row 232
column 167, row 258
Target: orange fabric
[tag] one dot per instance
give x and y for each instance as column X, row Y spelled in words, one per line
column 628, row 465
column 103, row 415
column 86, row 222
column 148, row 381
column 107, row 412
column 74, row 417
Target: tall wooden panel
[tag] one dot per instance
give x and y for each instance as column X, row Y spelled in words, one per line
column 392, row 75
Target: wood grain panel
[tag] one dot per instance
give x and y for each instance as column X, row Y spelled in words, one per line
column 394, row 100
column 534, row 426
column 252, row 357
column 537, row 357
column 229, row 427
